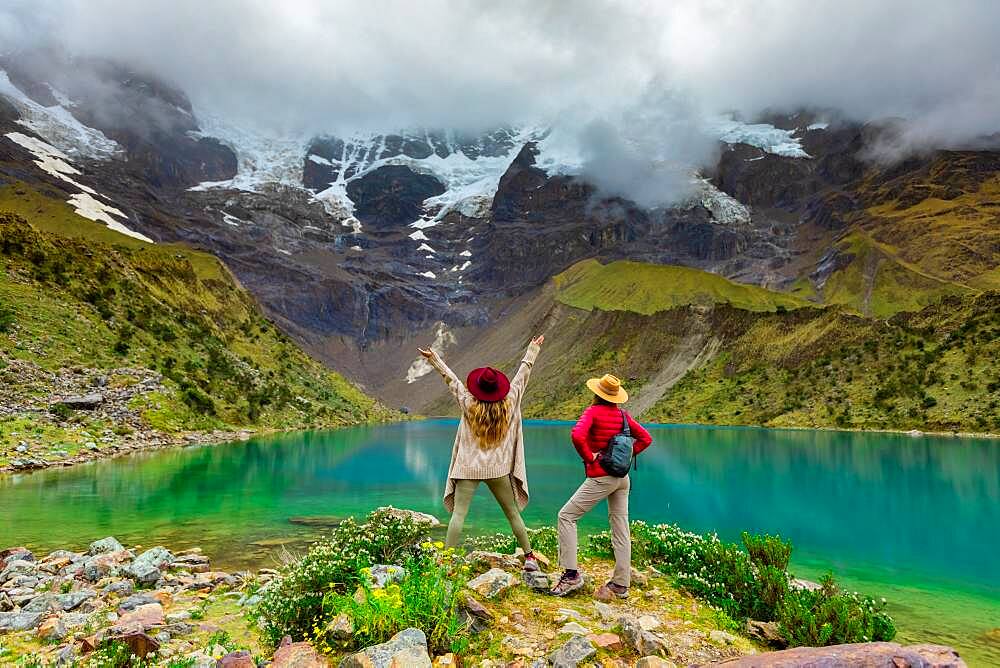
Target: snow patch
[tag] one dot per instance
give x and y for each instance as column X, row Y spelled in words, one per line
column 428, row 274
column 425, row 247
column 465, row 266
column 88, row 207
column 466, row 253
column 57, row 126
column 817, row 126
column 55, row 163
column 762, row 135
column 422, row 367
column 724, row 208
column 230, row 219
column 261, row 159
column 419, row 236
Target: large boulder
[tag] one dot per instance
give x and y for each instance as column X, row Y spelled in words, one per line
column 146, row 567
column 84, row 402
column 109, row 544
column 576, row 650
column 17, row 553
column 17, row 567
column 867, row 655
column 406, row 648
column 106, row 564
column 418, row 517
column 72, row 600
column 144, row 617
column 492, row 583
column 20, row 621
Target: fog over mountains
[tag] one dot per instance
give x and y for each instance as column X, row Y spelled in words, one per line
column 613, row 79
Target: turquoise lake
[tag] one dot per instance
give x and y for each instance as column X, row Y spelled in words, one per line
column 913, row 518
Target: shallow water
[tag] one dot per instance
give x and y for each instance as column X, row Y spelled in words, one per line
column 915, row 519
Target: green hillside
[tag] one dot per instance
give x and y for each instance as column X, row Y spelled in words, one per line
column 80, row 302
column 877, row 282
column 935, row 368
column 650, row 288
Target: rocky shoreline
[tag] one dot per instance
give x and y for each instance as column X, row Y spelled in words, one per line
column 173, row 609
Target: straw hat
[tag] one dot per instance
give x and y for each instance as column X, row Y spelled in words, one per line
column 608, row 387
column 487, row 384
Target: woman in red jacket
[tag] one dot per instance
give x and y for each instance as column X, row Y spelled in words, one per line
column 599, row 423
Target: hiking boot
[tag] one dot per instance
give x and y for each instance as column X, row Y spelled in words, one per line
column 567, row 584
column 611, row 591
column 531, row 563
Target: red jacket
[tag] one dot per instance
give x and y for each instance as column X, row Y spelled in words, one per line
column 598, row 424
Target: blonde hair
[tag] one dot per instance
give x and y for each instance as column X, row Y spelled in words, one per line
column 489, row 421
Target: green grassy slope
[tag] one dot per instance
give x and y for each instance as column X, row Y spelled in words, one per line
column 934, row 369
column 877, row 282
column 80, row 296
column 649, row 288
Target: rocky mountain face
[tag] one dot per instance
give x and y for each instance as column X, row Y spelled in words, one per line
column 358, row 245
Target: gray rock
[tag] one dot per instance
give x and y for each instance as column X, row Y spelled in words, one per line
column 73, row 599
column 109, row 544
column 43, row 603
column 66, row 656
column 6, row 605
column 536, row 580
column 385, row 574
column 120, row 588
column 162, row 637
column 146, row 567
column 426, row 519
column 17, row 567
column 178, row 629
column 406, row 648
column 134, row 601
column 604, row 611
column 576, row 649
column 641, row 641
column 74, row 620
column 84, row 402
column 20, row 621
column 492, row 583
column 721, row 637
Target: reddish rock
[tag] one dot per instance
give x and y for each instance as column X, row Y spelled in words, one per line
column 241, row 659
column 15, row 553
column 144, row 616
column 137, row 641
column 608, row 641
column 868, row 655
column 298, row 655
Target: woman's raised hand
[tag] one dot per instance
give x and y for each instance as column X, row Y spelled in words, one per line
column 539, row 340
column 427, row 353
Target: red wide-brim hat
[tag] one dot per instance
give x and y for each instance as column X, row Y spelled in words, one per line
column 487, row 384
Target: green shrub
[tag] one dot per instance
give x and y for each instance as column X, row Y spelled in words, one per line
column 7, row 319
column 544, row 539
column 61, row 411
column 428, row 598
column 828, row 616
column 751, row 582
column 293, row 604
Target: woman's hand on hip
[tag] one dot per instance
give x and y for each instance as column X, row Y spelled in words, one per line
column 539, row 340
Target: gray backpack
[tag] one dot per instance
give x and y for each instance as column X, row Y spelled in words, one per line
column 617, row 459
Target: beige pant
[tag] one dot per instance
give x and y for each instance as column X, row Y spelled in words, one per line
column 591, row 492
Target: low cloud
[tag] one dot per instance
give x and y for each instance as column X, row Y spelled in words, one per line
column 625, row 81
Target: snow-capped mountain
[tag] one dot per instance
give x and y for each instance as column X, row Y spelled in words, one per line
column 350, row 239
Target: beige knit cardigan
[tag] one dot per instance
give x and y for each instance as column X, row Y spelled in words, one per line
column 471, row 462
